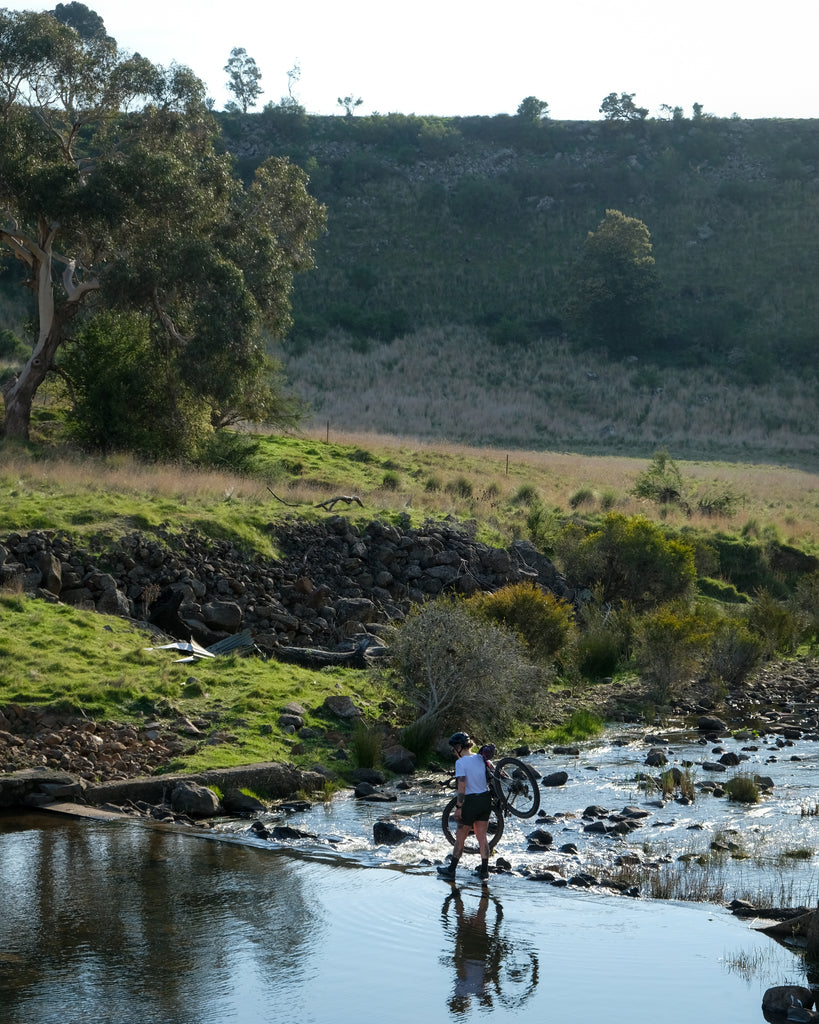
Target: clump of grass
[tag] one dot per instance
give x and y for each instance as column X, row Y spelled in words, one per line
column 391, row 480
column 419, row 737
column 581, row 725
column 365, row 745
column 526, row 494
column 582, row 496
column 798, row 853
column 742, row 789
column 460, row 487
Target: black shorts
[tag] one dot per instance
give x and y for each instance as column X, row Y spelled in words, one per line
column 477, row 807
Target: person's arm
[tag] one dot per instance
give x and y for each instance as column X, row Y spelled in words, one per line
column 461, row 794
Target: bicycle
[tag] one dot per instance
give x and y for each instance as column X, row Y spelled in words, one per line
column 514, row 789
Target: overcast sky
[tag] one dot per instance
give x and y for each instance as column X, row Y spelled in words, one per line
column 473, row 57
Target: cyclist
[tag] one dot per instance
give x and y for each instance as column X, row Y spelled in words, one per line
column 473, row 804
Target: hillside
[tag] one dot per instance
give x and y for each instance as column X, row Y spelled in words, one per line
column 442, row 281
column 437, row 308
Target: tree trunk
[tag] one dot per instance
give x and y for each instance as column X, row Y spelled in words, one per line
column 38, row 256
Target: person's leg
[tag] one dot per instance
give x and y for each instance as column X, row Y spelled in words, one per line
column 448, row 870
column 481, row 828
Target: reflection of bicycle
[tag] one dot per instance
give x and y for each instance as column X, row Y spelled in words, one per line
column 514, row 789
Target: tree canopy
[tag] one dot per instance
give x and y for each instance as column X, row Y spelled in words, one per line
column 622, row 108
column 244, row 78
column 615, row 282
column 114, row 196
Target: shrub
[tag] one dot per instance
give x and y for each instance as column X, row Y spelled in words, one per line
column 582, row 496
column 720, row 591
column 544, row 526
column 734, row 652
column 526, row 494
column 670, row 644
column 545, row 622
column 628, row 559
column 420, row 737
column 775, row 624
column 456, row 668
column 662, row 482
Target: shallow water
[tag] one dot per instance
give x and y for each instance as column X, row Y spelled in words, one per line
column 122, row 923
column 766, row 836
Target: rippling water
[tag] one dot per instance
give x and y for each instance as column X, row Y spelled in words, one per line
column 120, row 922
column 116, row 922
column 776, row 840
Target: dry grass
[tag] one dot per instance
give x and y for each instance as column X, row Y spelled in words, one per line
column 453, row 383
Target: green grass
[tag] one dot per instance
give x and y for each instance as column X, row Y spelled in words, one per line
column 582, row 725
column 98, row 665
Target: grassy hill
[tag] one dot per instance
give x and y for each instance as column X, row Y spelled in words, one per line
column 437, row 308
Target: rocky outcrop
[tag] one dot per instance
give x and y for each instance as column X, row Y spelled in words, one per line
column 179, row 795
column 334, row 580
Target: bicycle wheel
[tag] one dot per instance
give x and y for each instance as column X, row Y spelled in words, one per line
column 515, row 784
column 493, row 833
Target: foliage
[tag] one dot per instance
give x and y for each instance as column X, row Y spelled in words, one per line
column 733, row 651
column 628, row 559
column 615, row 283
column 117, row 197
column 604, row 640
column 775, row 624
column 661, row 482
column 532, row 109
column 545, row 622
column 365, row 744
column 806, row 601
column 670, row 642
column 457, row 669
column 543, row 523
column 742, row 789
column 125, row 397
column 244, row 77
column 622, row 108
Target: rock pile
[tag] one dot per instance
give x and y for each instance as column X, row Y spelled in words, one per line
column 35, row 737
column 334, row 580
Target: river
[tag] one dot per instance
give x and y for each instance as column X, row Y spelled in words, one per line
column 120, row 922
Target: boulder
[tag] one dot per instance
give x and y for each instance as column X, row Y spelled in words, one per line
column 387, row 833
column 555, row 779
column 342, row 706
column 194, row 800
column 399, row 759
column 779, row 999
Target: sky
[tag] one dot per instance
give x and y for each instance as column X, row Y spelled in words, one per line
column 462, row 57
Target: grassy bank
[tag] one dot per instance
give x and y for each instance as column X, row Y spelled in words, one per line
column 99, row 667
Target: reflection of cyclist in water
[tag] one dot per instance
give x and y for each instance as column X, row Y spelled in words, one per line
column 484, row 959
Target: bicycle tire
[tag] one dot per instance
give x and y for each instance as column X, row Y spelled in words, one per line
column 493, row 834
column 517, row 789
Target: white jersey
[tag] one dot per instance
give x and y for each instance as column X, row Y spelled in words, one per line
column 472, row 767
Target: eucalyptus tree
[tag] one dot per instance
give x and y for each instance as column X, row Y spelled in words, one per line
column 244, row 77
column 112, row 194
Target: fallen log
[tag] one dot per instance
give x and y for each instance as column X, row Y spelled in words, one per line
column 361, row 656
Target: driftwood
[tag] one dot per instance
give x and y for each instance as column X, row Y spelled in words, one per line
column 361, row 656
column 328, row 504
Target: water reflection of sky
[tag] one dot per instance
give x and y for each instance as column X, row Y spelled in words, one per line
column 119, row 923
